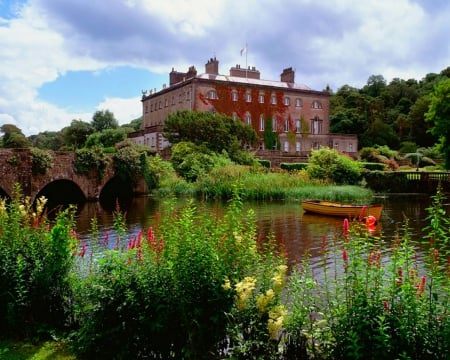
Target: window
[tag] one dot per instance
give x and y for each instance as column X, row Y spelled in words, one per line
column 316, row 126
column 274, row 124
column 273, row 100
column 248, row 119
column 297, row 125
column 287, row 101
column 188, row 95
column 166, row 102
column 298, row 146
column 173, row 100
column 286, row 146
column 212, row 95
column 160, row 105
column 234, row 96
column 146, row 108
column 261, row 122
column 261, row 99
column 151, row 107
column 316, row 104
column 286, row 125
column 248, row 97
column 234, row 116
column 298, row 102
column 180, row 97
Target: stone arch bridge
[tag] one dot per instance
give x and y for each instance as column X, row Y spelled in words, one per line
column 61, row 180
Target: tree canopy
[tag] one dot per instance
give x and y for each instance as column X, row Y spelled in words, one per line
column 13, row 137
column 215, row 131
column 439, row 115
column 104, row 119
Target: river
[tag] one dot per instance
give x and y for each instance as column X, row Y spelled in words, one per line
column 298, row 232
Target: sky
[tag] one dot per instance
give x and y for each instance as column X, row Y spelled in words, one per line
column 62, row 60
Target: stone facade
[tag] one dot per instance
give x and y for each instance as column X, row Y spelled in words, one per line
column 295, row 112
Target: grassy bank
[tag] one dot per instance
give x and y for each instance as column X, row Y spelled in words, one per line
column 258, row 183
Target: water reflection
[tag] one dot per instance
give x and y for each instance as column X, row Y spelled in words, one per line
column 297, row 232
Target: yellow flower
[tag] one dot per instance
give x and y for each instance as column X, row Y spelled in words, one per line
column 2, row 205
column 226, row 285
column 40, row 204
column 276, row 320
column 279, row 279
column 237, row 237
column 244, row 289
column 263, row 300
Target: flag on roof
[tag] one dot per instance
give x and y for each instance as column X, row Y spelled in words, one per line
column 244, row 50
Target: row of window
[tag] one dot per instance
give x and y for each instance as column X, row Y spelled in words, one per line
column 315, row 125
column 212, row 95
column 160, row 104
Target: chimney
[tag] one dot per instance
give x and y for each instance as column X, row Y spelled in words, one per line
column 250, row 72
column 288, row 75
column 212, row 66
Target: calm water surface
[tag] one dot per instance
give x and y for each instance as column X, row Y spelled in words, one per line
column 299, row 232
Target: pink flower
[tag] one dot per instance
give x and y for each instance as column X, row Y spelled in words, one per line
column 344, row 257
column 400, row 276
column 421, row 286
column 82, row 251
column 345, row 227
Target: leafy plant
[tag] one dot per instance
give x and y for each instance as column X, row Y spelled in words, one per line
column 328, row 164
column 88, row 159
column 41, row 160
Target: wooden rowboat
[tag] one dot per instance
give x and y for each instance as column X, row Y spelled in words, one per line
column 343, row 210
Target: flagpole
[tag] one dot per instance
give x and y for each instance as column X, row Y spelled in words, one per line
column 246, row 67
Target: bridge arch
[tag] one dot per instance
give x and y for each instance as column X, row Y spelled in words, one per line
column 62, row 192
column 116, row 189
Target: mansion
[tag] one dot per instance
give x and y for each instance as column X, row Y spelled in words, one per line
column 296, row 113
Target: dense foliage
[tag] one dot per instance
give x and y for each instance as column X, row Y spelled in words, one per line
column 200, row 286
column 329, row 164
column 216, row 132
column 35, row 260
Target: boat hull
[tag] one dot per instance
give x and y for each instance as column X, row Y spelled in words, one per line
column 342, row 210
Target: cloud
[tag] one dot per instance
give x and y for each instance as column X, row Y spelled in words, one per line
column 336, row 43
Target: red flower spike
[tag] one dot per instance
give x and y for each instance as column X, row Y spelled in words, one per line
column 345, row 227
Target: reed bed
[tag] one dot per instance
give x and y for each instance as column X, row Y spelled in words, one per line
column 262, row 184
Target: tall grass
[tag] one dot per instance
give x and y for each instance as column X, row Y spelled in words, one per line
column 258, row 183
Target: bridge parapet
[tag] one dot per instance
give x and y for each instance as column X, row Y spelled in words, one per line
column 16, row 168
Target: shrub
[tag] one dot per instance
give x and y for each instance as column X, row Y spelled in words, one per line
column 41, row 160
column 128, row 164
column 88, row 159
column 373, row 166
column 293, row 166
column 265, row 163
column 165, row 294
column 328, row 164
column 35, row 259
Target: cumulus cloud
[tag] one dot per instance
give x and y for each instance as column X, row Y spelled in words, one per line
column 334, row 43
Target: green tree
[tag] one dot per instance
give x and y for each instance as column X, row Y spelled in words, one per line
column 76, row 134
column 439, row 115
column 329, row 164
column 216, row 131
column 48, row 140
column 106, row 138
column 13, row 137
column 270, row 137
column 104, row 119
